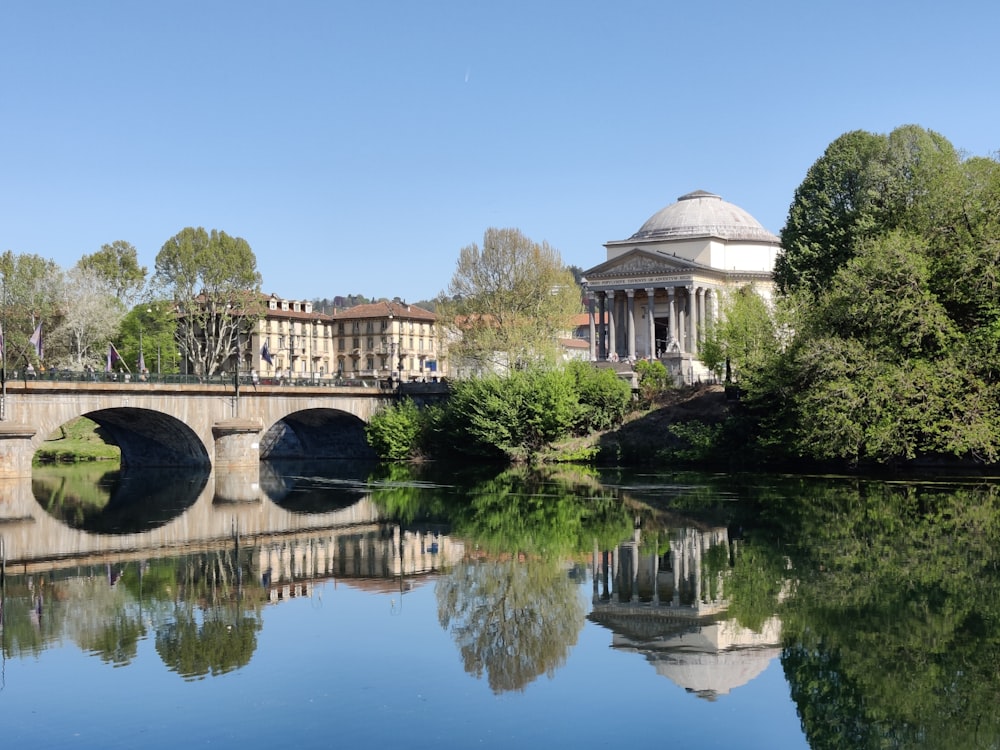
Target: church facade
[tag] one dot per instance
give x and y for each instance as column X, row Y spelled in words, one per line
column 659, row 290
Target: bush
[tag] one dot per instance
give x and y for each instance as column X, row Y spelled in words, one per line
column 394, row 432
column 604, row 398
column 653, row 378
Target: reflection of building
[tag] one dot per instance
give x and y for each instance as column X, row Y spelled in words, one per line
column 671, row 608
column 289, row 566
column 661, row 287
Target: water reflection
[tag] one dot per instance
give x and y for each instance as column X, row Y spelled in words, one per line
column 315, row 486
column 882, row 600
column 91, row 498
column 669, row 597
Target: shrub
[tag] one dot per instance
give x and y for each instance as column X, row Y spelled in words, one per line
column 394, row 432
column 604, row 398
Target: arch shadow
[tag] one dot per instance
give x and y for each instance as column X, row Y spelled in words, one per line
column 150, row 438
column 316, row 434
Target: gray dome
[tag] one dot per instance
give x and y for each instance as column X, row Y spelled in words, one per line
column 703, row 214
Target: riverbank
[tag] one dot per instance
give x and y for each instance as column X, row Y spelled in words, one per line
column 668, row 427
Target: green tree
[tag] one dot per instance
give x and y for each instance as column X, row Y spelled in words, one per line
column 744, row 337
column 865, row 184
column 118, row 266
column 510, row 300
column 832, row 208
column 605, row 399
column 32, row 294
column 511, row 416
column 150, row 327
column 215, row 286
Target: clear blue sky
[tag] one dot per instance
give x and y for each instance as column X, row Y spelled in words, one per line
column 358, row 146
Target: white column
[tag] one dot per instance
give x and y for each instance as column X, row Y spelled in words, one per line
column 593, row 326
column 672, row 307
column 612, row 325
column 630, row 306
column 651, row 322
column 692, row 320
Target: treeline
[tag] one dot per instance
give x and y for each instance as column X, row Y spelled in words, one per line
column 888, row 350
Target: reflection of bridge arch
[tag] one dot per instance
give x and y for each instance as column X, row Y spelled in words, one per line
column 191, row 425
column 30, row 534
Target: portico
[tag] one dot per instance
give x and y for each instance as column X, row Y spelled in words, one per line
column 661, row 288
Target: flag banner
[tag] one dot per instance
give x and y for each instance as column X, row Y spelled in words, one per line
column 265, row 354
column 36, row 341
column 3, row 354
column 142, row 362
column 113, row 356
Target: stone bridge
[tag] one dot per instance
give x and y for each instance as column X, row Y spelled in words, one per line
column 193, row 426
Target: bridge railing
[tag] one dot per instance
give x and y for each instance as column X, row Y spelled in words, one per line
column 227, row 379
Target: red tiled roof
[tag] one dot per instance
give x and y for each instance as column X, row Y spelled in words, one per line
column 384, row 310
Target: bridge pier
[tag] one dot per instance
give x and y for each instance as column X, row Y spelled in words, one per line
column 237, row 460
column 237, row 443
column 16, row 450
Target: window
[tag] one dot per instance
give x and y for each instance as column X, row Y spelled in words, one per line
column 371, row 363
column 340, row 345
column 340, row 328
column 371, row 343
column 369, row 327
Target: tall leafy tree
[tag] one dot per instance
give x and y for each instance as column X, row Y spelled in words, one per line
column 864, row 185
column 832, row 208
column 509, row 300
column 117, row 264
column 893, row 243
column 91, row 315
column 745, row 335
column 215, row 286
column 31, row 295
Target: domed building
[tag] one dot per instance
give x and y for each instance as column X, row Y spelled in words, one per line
column 659, row 290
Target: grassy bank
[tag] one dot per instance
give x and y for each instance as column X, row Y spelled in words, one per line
column 77, row 441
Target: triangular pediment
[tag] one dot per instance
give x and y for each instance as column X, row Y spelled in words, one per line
column 641, row 263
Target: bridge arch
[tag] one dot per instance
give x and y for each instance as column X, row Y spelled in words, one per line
column 316, row 433
column 151, row 438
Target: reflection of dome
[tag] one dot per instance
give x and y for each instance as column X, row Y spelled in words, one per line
column 712, row 659
column 703, row 214
column 710, row 675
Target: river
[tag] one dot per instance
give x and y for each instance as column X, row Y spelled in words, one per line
column 449, row 607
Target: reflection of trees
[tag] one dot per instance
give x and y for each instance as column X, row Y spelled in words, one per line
column 224, row 640
column 102, row 619
column 535, row 512
column 205, row 617
column 514, row 621
column 893, row 635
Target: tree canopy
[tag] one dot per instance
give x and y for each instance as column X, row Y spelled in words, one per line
column 117, row 265
column 215, row 286
column 509, row 299
column 891, row 259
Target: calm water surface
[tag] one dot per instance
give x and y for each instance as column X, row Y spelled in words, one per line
column 318, row 606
